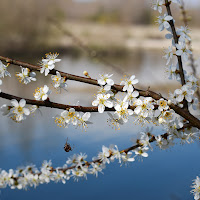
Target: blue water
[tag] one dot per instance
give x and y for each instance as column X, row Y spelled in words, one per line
column 165, row 174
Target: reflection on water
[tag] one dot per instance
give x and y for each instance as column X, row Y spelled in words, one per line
column 164, row 175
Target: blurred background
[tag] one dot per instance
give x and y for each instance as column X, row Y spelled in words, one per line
column 101, row 24
column 111, row 36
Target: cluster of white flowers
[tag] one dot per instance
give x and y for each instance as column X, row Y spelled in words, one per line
column 196, row 190
column 48, row 63
column 78, row 167
column 42, row 93
column 168, row 118
column 16, row 111
column 106, row 98
column 72, row 117
column 30, row 176
column 3, row 72
column 26, row 76
column 59, row 81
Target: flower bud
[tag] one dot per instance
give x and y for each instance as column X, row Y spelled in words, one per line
column 169, row 102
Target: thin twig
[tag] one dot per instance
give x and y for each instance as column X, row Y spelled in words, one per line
column 191, row 56
column 90, row 52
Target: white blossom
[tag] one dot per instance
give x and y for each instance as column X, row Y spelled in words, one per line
column 42, row 93
column 196, row 188
column 185, row 92
column 59, row 81
column 182, row 51
column 105, row 80
column 163, row 22
column 26, row 76
column 168, row 55
column 157, row 5
column 19, row 109
column 102, row 102
column 3, row 70
column 128, row 83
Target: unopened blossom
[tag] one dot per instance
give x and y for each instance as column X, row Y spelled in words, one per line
column 169, row 36
column 26, row 76
column 42, row 93
column 102, row 101
column 196, row 188
column 185, row 92
column 59, row 81
column 3, row 70
column 157, row 5
column 182, row 51
column 168, row 54
column 128, row 83
column 105, row 79
column 19, row 109
column 163, row 21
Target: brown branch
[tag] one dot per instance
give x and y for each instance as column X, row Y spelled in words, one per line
column 90, row 52
column 50, row 104
column 182, row 112
column 191, row 56
column 153, row 139
column 181, row 72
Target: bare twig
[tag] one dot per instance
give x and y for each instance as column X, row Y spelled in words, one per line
column 90, row 52
column 191, row 56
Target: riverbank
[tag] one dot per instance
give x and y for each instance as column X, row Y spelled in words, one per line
column 106, row 40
